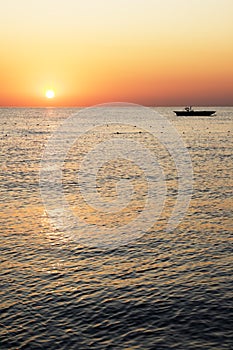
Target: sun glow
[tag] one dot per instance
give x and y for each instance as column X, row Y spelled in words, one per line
column 50, row 94
column 151, row 55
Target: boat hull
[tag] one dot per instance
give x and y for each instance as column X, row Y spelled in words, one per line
column 193, row 113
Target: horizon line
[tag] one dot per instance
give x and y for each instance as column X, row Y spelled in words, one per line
column 113, row 102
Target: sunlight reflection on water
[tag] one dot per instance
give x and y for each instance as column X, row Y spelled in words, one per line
column 163, row 290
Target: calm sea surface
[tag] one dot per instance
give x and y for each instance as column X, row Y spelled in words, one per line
column 163, row 290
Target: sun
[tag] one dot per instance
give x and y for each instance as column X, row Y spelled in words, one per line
column 50, row 94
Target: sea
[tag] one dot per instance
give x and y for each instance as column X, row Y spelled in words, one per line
column 85, row 262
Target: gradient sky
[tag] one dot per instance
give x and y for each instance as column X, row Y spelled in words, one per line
column 153, row 52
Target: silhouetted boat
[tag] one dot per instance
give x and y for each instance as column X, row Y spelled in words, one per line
column 188, row 111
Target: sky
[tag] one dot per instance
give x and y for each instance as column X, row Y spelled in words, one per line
column 151, row 52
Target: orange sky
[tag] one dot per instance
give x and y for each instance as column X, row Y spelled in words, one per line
column 153, row 52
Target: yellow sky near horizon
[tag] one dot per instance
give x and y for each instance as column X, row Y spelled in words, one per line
column 169, row 52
